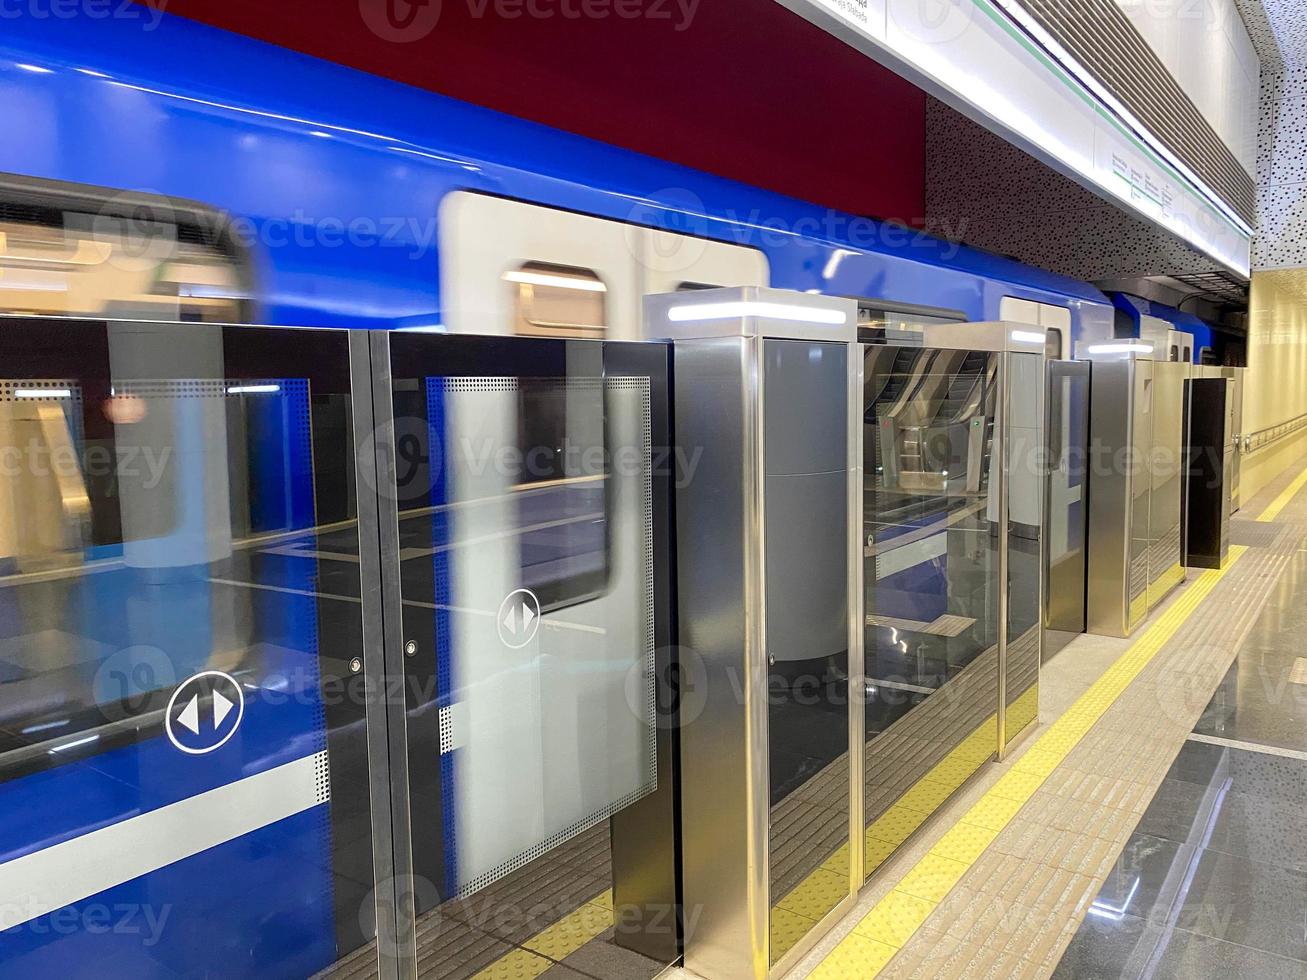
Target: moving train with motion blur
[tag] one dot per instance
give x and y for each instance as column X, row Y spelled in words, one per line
column 152, row 201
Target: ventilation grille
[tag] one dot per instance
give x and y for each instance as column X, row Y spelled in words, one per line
column 1223, row 285
column 1101, row 38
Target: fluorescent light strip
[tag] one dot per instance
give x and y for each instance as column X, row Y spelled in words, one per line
column 1127, row 348
column 772, row 311
column 27, row 286
column 558, row 282
column 72, row 745
column 43, row 393
column 32, row 730
column 1028, row 337
column 253, row 389
column 34, row 69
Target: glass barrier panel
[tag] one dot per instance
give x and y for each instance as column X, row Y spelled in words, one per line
column 1166, row 469
column 1026, row 488
column 183, row 770
column 807, row 585
column 931, row 579
column 1067, row 503
column 1141, row 545
column 530, row 516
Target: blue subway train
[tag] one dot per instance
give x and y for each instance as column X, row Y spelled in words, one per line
column 160, row 187
column 1136, row 314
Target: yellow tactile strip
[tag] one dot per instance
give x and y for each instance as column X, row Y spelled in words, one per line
column 553, row 943
column 878, row 937
column 1015, row 909
column 1282, row 501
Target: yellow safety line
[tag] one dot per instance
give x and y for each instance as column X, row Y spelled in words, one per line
column 884, row 930
column 555, row 942
column 1282, row 501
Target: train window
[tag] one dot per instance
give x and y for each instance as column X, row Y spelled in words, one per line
column 885, row 318
column 66, row 253
column 558, row 301
column 561, row 490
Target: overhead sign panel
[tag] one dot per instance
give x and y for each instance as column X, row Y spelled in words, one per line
column 989, row 59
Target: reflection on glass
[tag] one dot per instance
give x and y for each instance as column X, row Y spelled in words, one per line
column 179, row 607
column 806, row 494
column 1167, row 471
column 526, row 559
column 145, row 265
column 931, row 581
column 1025, row 490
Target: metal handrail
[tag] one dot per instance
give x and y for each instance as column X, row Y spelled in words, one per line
column 1253, row 441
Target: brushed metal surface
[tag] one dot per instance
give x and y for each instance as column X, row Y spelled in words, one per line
column 719, row 571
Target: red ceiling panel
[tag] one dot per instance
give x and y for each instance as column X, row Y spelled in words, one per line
column 740, row 88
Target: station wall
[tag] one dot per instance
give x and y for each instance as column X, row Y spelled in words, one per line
column 1275, row 390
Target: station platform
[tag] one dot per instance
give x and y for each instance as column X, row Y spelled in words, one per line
column 1151, row 824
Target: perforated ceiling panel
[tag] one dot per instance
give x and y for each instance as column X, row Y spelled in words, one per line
column 999, row 198
column 1104, row 41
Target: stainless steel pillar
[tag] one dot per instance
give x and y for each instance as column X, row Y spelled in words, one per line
column 767, row 396
column 1136, row 436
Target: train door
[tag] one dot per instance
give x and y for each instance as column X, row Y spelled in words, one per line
column 510, row 267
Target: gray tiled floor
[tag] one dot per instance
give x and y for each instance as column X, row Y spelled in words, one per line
column 1213, row 883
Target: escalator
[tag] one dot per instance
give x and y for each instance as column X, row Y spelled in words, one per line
column 930, row 425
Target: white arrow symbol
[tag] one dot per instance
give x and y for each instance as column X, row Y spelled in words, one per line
column 221, row 708
column 519, row 618
column 190, row 716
